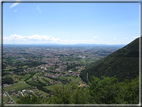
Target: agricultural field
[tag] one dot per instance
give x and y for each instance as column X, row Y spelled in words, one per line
column 74, row 80
column 52, row 86
column 44, row 94
column 14, row 98
column 25, row 77
column 17, row 86
column 41, row 80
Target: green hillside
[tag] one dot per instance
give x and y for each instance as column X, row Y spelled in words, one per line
column 124, row 64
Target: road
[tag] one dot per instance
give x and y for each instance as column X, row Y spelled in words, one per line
column 21, row 93
column 9, row 96
column 87, row 77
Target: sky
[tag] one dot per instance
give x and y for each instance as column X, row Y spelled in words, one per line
column 70, row 23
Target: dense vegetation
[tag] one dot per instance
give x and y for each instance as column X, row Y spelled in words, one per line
column 104, row 90
column 124, row 64
column 7, row 80
column 29, row 100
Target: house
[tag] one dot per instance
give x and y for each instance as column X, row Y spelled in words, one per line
column 11, row 90
column 23, row 91
column 28, row 91
column 39, row 94
column 69, row 79
column 70, row 71
column 13, row 93
column 17, row 95
column 41, row 67
column 25, row 94
column 8, row 102
column 34, row 90
column 56, row 70
column 4, row 95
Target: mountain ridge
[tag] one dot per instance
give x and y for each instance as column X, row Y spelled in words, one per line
column 123, row 63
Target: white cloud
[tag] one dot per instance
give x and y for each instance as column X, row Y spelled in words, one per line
column 114, row 38
column 126, row 38
column 34, row 37
column 13, row 5
column 95, row 37
column 14, row 37
column 38, row 39
column 38, row 9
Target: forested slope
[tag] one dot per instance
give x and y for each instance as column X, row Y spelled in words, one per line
column 124, row 64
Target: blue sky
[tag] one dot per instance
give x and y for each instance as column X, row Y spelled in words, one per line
column 70, row 23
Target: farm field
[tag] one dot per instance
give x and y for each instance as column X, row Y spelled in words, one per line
column 14, row 98
column 36, row 75
column 52, row 86
column 44, row 93
column 26, row 76
column 41, row 80
column 74, row 80
column 17, row 86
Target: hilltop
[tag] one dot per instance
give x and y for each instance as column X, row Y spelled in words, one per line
column 123, row 63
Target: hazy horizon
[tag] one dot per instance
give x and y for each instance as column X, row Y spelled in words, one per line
column 81, row 44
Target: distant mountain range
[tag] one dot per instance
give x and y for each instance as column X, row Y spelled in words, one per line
column 123, row 63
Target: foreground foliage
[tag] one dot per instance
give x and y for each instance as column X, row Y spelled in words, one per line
column 29, row 100
column 71, row 94
column 107, row 90
column 104, row 90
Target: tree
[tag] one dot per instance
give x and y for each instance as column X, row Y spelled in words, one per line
column 7, row 80
column 106, row 90
column 69, row 94
column 29, row 100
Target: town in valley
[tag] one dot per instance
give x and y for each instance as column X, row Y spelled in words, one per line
column 35, row 69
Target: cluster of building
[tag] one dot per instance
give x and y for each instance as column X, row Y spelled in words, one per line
column 54, row 82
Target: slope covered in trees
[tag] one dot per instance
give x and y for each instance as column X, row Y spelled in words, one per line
column 124, row 64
